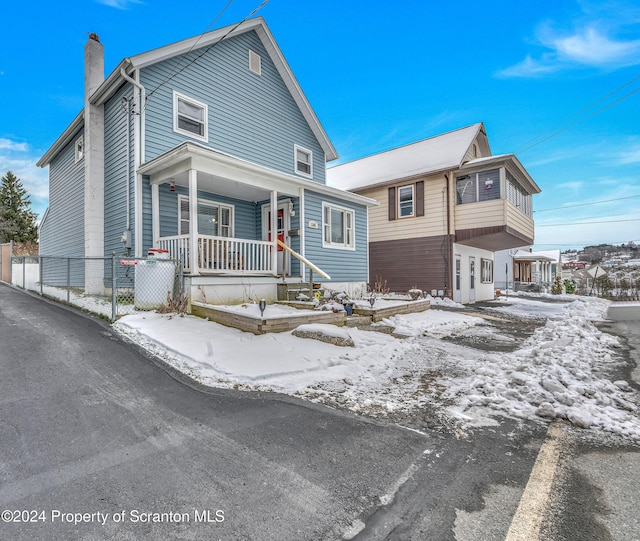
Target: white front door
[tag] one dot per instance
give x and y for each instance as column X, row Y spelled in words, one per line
column 472, row 279
column 284, row 224
column 457, row 279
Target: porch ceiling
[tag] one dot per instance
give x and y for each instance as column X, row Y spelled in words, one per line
column 220, row 185
column 228, row 175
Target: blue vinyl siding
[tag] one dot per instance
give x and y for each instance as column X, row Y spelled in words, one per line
column 341, row 265
column 62, row 233
column 252, row 117
column 116, row 183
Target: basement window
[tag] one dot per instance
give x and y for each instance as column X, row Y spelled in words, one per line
column 190, row 117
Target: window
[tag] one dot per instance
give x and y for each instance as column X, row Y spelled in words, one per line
column 517, row 196
column 475, row 187
column 486, row 271
column 79, row 149
column 338, row 227
column 214, row 219
column 190, row 117
column 304, row 161
column 255, row 63
column 405, row 201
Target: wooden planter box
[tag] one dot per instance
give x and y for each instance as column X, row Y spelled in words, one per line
column 378, row 314
column 264, row 325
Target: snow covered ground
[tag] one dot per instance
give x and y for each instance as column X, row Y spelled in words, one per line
column 561, row 371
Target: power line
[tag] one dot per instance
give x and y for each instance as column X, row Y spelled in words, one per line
column 577, row 114
column 587, row 204
column 207, row 49
column 171, row 74
column 580, row 121
column 594, row 222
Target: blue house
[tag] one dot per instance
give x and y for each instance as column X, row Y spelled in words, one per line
column 203, row 148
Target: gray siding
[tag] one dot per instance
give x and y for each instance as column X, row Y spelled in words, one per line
column 252, row 117
column 341, row 265
column 116, row 182
column 62, row 233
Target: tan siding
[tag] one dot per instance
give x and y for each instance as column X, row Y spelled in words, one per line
column 518, row 220
column 483, row 214
column 431, row 224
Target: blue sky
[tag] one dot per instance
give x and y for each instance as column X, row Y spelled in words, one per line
column 555, row 82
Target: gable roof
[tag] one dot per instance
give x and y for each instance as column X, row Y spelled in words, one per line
column 116, row 79
column 440, row 153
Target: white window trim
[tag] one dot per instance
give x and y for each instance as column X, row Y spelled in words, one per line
column 79, row 149
column 210, row 203
column 413, row 201
column 295, row 161
column 336, row 246
column 486, row 270
column 177, row 96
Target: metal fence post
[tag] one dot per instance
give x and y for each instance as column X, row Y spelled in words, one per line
column 114, row 303
column 11, row 262
column 68, row 279
column 24, row 272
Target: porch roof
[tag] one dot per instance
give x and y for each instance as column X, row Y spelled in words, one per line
column 523, row 255
column 232, row 176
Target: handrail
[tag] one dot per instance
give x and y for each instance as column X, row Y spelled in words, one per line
column 304, row 260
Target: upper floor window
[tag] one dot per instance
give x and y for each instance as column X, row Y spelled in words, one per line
column 338, row 227
column 475, row 187
column 304, row 161
column 517, row 195
column 405, row 201
column 79, row 148
column 190, row 117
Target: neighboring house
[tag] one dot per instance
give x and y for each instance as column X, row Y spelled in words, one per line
column 202, row 148
column 523, row 268
column 446, row 205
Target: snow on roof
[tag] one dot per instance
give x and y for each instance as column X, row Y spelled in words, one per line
column 437, row 153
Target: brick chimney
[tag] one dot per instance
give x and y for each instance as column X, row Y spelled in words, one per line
column 93, row 167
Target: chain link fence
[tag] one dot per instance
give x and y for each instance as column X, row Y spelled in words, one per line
column 110, row 287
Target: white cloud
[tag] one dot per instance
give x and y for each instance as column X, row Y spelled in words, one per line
column 628, row 157
column 7, row 144
column 591, row 47
column 595, row 40
column 576, row 185
column 118, row 4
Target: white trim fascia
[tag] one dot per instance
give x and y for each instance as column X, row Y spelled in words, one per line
column 192, row 155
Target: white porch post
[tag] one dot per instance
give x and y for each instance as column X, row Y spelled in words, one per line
column 193, row 222
column 155, row 214
column 274, row 232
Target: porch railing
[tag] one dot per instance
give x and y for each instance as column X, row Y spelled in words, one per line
column 222, row 255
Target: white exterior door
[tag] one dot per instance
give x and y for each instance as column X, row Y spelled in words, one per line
column 457, row 279
column 472, row 279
